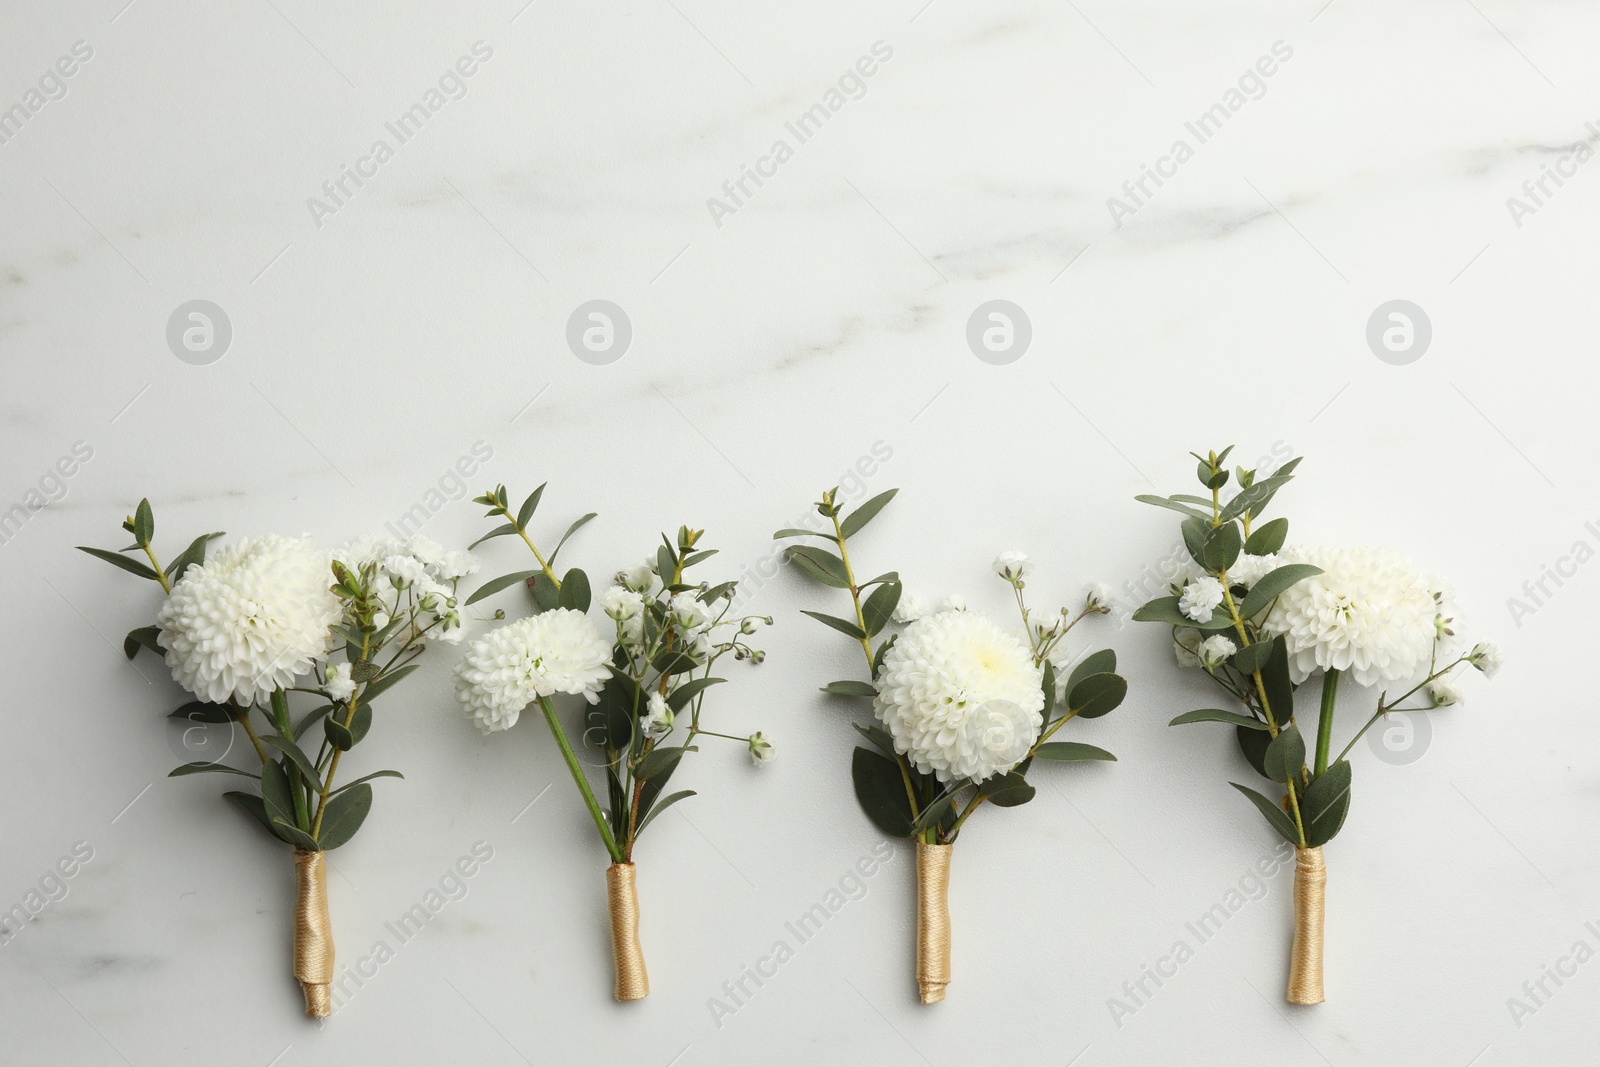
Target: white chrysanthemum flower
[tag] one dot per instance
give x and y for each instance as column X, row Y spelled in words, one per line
column 1444, row 692
column 1186, row 647
column 249, row 620
column 641, row 579
column 657, row 718
column 1247, row 570
column 1200, row 598
column 368, row 549
column 1013, row 566
column 687, row 611
column 337, row 681
column 1097, row 597
column 405, row 568
column 910, row 608
column 1369, row 614
column 761, row 750
column 425, row 549
column 1487, row 657
column 960, row 696
column 505, row 670
column 1214, row 651
column 456, row 564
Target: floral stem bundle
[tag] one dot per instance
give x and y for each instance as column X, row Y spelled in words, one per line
column 645, row 678
column 1260, row 620
column 962, row 705
column 273, row 616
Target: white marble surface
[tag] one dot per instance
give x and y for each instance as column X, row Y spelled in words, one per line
column 826, row 314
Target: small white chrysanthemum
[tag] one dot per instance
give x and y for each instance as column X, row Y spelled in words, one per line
column 1369, row 614
column 1013, row 566
column 1046, row 623
column 1487, row 657
column 456, row 564
column 337, row 681
column 1200, row 598
column 405, row 569
column 1097, row 597
column 910, row 608
column 657, row 718
column 1214, row 651
column 1444, row 692
column 505, row 670
column 960, row 696
column 761, row 750
column 1186, row 647
column 641, row 579
column 687, row 611
column 954, row 602
column 1247, row 570
column 249, row 620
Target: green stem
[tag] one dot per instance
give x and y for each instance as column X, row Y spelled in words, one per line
column 155, row 565
column 583, row 782
column 1330, row 694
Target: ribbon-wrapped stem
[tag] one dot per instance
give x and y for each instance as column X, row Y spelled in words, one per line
column 632, row 981
column 933, row 921
column 313, row 933
column 1305, row 958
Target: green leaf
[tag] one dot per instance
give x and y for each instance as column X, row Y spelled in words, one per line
column 886, row 576
column 1222, row 547
column 1164, row 609
column 529, row 506
column 201, row 711
column 1253, row 658
column 694, row 558
column 494, row 585
column 116, row 559
column 253, row 805
column 207, row 768
column 849, row 687
column 1007, row 790
column 881, row 792
column 294, row 835
column 144, row 523
column 364, row 670
column 675, row 662
column 1275, row 815
column 666, row 802
column 1267, row 538
column 575, row 590
column 1325, row 804
column 610, row 722
column 1253, row 744
column 879, row 607
column 343, row 738
column 344, row 815
column 1285, row 754
column 878, row 736
column 935, row 810
column 1047, row 687
column 366, row 778
column 858, row 518
column 659, row 761
column 574, row 528
column 310, row 717
column 666, row 564
column 1102, row 662
column 1276, row 681
column 545, row 594
column 679, row 698
column 1173, row 505
column 1256, row 497
column 275, row 794
column 1072, row 752
column 791, row 531
column 301, row 761
column 383, row 683
column 1266, row 590
column 844, row 626
column 195, row 553
column 498, row 531
column 1247, row 722
column 820, row 564
column 1195, row 532
column 1096, row 695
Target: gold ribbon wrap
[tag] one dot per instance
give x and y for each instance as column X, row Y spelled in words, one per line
column 933, row 921
column 1305, row 957
column 632, row 981
column 313, row 933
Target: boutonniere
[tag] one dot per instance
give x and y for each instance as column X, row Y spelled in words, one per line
column 644, row 671
column 292, row 645
column 1261, row 621
column 962, row 706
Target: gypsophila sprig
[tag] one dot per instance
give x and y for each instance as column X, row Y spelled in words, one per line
column 269, row 620
column 1261, row 620
column 962, row 705
column 643, row 664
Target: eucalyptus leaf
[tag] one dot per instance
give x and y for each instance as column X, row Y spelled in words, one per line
column 879, row 607
column 849, row 687
column 344, row 815
column 195, row 553
column 1234, row 718
column 1285, row 754
column 498, row 531
column 116, row 559
column 208, row 768
column 203, row 711
column 1102, row 662
column 545, row 594
column 657, row 809
column 1173, row 505
column 575, row 590
column 1222, row 547
column 494, row 585
column 301, row 761
column 1325, row 804
column 529, row 506
column 881, row 792
column 1274, row 814
column 1253, row 658
column 820, row 564
column 366, row 778
column 659, row 761
column 853, row 522
column 574, row 528
column 1072, row 752
column 679, row 698
column 1096, row 695
column 1271, row 584
column 844, row 626
column 294, row 835
column 383, row 682
column 1267, row 538
column 144, row 523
